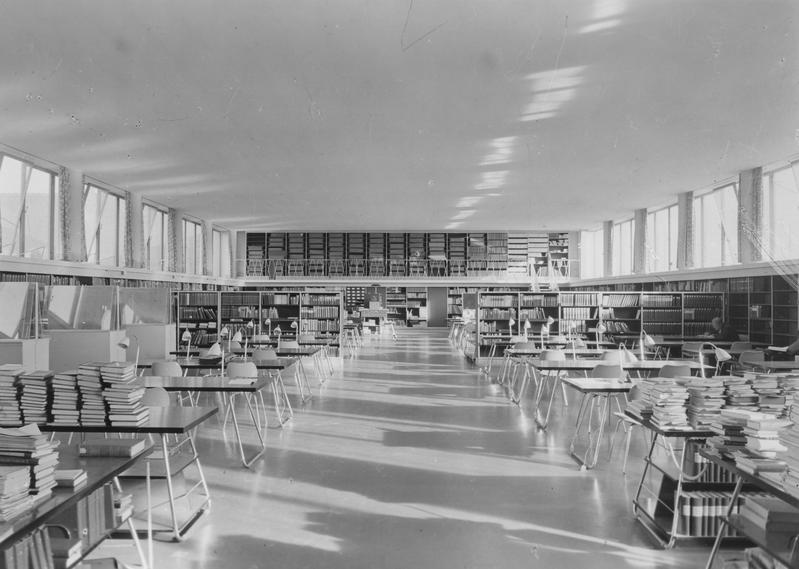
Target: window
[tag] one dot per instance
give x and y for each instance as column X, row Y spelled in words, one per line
column 716, row 227
column 622, row 247
column 661, row 240
column 220, row 241
column 592, row 254
column 155, row 238
column 780, row 213
column 104, row 223
column 193, row 247
column 29, row 210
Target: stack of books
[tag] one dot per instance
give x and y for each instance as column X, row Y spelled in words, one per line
column 669, row 404
column 730, row 432
column 642, row 406
column 28, row 446
column 789, row 437
column 705, row 401
column 739, row 394
column 33, row 395
column 70, row 478
column 762, row 431
column 123, row 394
column 770, row 396
column 90, row 389
column 9, row 399
column 63, row 403
column 15, row 483
column 771, row 520
column 789, row 383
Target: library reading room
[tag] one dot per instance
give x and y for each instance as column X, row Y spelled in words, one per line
column 400, row 284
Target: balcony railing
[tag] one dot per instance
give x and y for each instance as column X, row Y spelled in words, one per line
column 393, row 269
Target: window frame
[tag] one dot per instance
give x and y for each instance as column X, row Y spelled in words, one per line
column 121, row 229
column 164, row 211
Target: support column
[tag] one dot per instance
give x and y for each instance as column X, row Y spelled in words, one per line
column 639, row 241
column 607, row 240
column 177, row 264
column 135, row 230
column 750, row 215
column 574, row 255
column 240, row 254
column 685, row 230
column 73, row 231
column 208, row 248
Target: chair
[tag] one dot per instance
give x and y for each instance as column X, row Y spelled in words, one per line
column 279, row 394
column 173, row 369
column 618, row 356
column 674, row 370
column 155, row 397
column 550, row 356
column 741, row 347
column 750, row 356
column 608, row 371
column 288, row 345
column 511, row 364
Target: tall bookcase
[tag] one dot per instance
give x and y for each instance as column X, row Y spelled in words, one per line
column 320, row 313
column 395, row 303
column 198, row 312
column 536, row 308
column 494, row 314
column 577, row 310
column 766, row 308
column 416, row 306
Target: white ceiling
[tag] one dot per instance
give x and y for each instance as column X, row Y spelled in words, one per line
column 401, row 115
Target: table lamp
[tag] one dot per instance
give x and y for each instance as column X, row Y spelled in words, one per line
column 721, row 356
column 645, row 341
column 268, row 323
column 600, row 330
column 186, row 337
column 125, row 343
column 545, row 330
column 511, row 324
column 527, row 326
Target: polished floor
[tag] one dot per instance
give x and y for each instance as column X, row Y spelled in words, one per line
column 409, row 458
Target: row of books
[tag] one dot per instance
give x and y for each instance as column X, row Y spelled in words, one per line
column 578, row 299
column 498, row 300
column 319, row 312
column 532, row 314
column 34, row 551
column 752, row 558
column 550, row 301
column 701, row 512
column 497, row 313
column 197, row 313
column 28, row 461
column 620, row 300
column 575, row 313
column 330, row 299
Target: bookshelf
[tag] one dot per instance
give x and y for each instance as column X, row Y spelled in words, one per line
column 537, row 307
column 494, row 312
column 416, row 306
column 237, row 309
column 785, row 310
column 320, row 313
column 198, row 313
column 578, row 309
column 620, row 312
column 283, row 309
column 395, row 303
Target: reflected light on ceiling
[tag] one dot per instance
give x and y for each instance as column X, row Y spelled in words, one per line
column 605, row 16
column 492, row 180
column 469, row 201
column 502, row 148
column 551, row 90
column 464, row 214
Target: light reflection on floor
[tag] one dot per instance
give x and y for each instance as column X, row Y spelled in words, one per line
column 394, row 465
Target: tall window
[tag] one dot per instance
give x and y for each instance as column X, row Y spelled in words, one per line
column 780, row 214
column 622, row 246
column 220, row 241
column 155, row 238
column 29, row 211
column 661, row 240
column 592, row 254
column 104, row 222
column 193, row 246
column 716, row 227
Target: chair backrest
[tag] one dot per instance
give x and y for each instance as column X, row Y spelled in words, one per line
column 553, row 355
column 155, row 397
column 242, row 369
column 264, row 355
column 576, row 344
column 752, row 356
column 234, row 345
column 741, row 346
column 307, row 338
column 260, row 337
column 612, row 371
column 289, row 344
column 674, row 370
column 618, row 356
column 166, row 368
column 692, row 346
column 524, row 346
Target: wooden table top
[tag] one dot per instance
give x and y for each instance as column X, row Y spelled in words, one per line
column 162, row 421
column 215, row 383
column 598, row 385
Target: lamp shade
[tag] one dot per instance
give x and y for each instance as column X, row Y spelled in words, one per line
column 278, row 331
column 224, row 331
column 237, row 337
column 511, row 322
column 550, row 321
column 250, row 324
column 214, row 350
column 722, row 355
column 294, row 324
column 125, row 343
column 527, row 325
column 649, row 340
column 601, row 328
column 186, row 336
column 268, row 321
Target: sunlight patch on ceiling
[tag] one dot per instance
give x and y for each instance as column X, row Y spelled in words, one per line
column 492, row 180
column 551, row 90
column 501, row 151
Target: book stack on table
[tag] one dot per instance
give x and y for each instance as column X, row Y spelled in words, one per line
column 122, row 394
column 9, row 399
column 789, row 437
column 15, row 484
column 33, row 395
column 29, row 447
column 772, row 521
column 90, row 388
column 642, row 406
column 63, row 403
column 669, row 408
column 740, row 394
column 706, row 400
column 770, row 395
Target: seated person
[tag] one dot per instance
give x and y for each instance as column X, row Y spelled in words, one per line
column 722, row 331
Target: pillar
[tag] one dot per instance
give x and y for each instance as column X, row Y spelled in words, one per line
column 73, row 236
column 177, row 263
column 607, row 240
column 240, row 254
column 135, row 231
column 208, row 248
column 639, row 241
column 750, row 215
column 685, row 230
